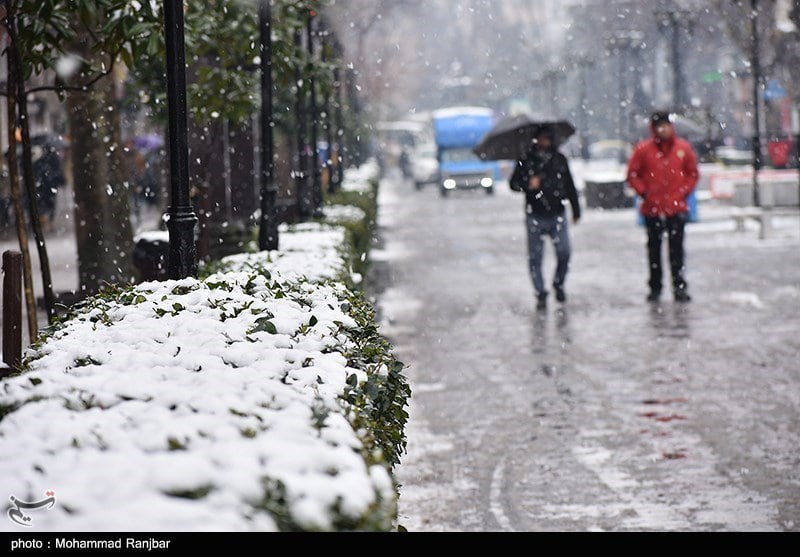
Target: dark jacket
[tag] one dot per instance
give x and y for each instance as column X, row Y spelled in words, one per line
column 557, row 184
column 48, row 177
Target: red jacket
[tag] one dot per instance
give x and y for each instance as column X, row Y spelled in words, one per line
column 664, row 173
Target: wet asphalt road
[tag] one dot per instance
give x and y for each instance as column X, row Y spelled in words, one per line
column 607, row 413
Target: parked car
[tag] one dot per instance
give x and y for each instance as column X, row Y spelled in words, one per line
column 610, row 149
column 735, row 151
column 733, row 156
column 424, row 165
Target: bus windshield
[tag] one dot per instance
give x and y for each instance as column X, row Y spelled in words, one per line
column 459, row 155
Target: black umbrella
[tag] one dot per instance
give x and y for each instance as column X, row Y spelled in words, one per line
column 512, row 137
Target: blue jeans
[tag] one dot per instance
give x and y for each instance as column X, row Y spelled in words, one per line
column 556, row 228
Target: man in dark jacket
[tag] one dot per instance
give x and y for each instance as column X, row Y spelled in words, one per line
column 545, row 178
column 663, row 171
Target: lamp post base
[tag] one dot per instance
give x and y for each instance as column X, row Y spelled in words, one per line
column 182, row 260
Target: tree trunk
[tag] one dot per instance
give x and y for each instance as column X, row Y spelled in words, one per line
column 19, row 213
column 118, row 215
column 102, row 203
column 15, row 60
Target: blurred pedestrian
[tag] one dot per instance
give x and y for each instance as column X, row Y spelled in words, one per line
column 5, row 200
column 663, row 171
column 141, row 175
column 48, row 178
column 405, row 163
column 543, row 174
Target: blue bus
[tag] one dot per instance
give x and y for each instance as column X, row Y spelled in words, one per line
column 457, row 130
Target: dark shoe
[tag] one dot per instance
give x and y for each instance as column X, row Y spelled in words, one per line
column 541, row 302
column 682, row 296
column 561, row 296
column 654, row 296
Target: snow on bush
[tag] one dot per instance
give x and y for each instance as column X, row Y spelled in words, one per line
column 360, row 178
column 255, row 399
column 339, row 213
column 310, row 250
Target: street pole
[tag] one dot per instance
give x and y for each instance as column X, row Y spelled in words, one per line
column 301, row 178
column 326, row 108
column 621, row 43
column 583, row 65
column 268, row 229
column 797, row 162
column 796, row 134
column 551, row 85
column 613, row 46
column 673, row 21
column 755, row 63
column 677, row 68
column 639, row 100
column 354, row 104
column 182, row 261
column 340, row 138
column 623, row 89
column 316, row 177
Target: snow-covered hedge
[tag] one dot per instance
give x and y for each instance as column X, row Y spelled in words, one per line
column 344, row 213
column 259, row 398
column 355, row 207
column 361, row 178
column 316, row 251
column 341, row 239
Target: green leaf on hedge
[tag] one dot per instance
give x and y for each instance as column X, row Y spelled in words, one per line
column 263, row 324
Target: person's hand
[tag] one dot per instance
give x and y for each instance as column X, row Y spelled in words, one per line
column 535, row 183
column 576, row 220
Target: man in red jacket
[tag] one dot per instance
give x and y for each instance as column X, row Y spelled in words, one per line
column 663, row 171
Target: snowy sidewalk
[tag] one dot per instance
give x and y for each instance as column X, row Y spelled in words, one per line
column 608, row 413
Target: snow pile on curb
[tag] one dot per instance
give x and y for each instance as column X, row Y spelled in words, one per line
column 252, row 400
column 152, row 236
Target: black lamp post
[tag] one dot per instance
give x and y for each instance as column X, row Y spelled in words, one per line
column 354, row 104
column 182, row 260
column 339, row 119
column 316, row 177
column 756, row 67
column 304, row 201
column 268, row 229
column 325, row 46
